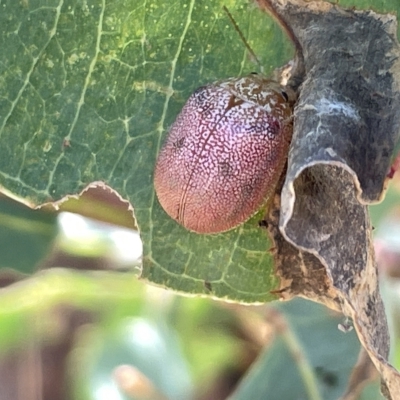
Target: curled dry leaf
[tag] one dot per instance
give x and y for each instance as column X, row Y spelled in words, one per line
column 345, row 127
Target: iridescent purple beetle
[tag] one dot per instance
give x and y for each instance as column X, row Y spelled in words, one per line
column 225, row 153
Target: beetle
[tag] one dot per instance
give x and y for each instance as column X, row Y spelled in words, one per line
column 225, row 152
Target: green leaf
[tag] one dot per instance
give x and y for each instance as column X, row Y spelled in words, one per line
column 25, row 235
column 372, row 392
column 151, row 347
column 88, row 90
column 280, row 373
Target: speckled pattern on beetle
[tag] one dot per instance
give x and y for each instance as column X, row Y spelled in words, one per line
column 225, row 152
